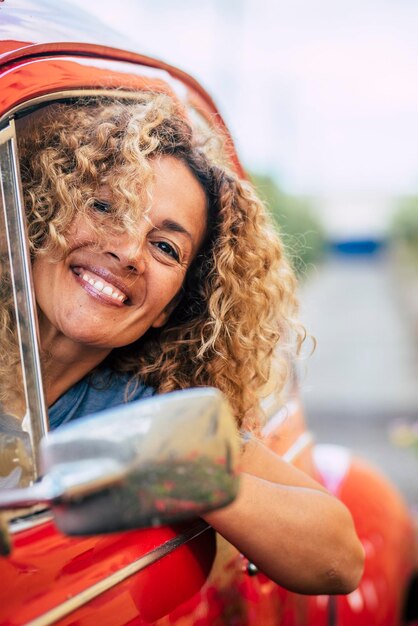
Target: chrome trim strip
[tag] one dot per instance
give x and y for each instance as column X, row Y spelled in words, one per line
column 333, row 462
column 279, row 416
column 19, row 524
column 302, row 442
column 67, row 607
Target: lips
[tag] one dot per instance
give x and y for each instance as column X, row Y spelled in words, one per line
column 102, row 283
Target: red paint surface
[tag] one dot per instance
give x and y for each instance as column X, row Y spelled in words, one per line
column 46, row 568
column 384, row 526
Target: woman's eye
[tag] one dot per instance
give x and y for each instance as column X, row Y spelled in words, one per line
column 168, row 249
column 101, row 206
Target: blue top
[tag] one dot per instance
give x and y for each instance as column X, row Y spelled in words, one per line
column 94, row 393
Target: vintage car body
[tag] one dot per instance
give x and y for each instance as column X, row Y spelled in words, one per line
column 181, row 574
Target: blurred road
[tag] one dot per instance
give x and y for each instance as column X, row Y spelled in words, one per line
column 363, row 376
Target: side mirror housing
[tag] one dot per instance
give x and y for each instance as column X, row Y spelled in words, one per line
column 151, row 462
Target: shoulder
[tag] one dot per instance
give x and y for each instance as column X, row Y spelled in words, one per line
column 108, row 389
column 100, row 390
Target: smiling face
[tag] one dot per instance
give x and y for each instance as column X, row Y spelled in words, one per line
column 108, row 293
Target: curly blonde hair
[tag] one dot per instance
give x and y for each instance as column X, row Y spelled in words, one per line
column 12, row 398
column 237, row 314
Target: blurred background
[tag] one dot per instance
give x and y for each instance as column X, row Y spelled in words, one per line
column 322, row 101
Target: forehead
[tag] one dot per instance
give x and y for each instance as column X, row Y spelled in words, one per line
column 177, row 194
column 171, row 181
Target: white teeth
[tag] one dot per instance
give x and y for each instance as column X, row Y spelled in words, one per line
column 106, row 289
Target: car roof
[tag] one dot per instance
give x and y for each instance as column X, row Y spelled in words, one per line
column 45, row 21
column 38, row 29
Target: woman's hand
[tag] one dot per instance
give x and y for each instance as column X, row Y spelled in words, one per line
column 291, row 527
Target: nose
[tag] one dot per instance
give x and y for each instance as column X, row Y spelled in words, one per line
column 128, row 254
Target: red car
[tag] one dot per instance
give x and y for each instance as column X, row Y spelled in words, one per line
column 161, row 565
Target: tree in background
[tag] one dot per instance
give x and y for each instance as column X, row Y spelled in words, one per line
column 405, row 229
column 299, row 225
column 404, row 247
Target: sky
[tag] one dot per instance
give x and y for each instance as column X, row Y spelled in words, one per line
column 321, row 94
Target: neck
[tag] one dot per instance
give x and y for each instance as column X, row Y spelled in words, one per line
column 65, row 363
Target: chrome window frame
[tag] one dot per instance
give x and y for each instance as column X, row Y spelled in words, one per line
column 68, row 94
column 15, row 222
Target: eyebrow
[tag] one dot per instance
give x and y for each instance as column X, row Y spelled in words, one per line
column 175, row 227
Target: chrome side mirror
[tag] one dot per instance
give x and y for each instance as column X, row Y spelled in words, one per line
column 151, row 462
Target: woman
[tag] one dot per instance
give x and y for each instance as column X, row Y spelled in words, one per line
column 155, row 268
